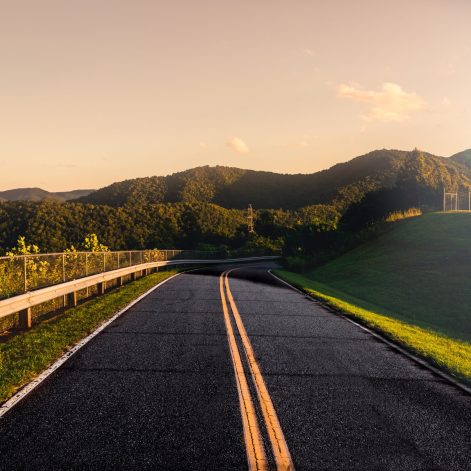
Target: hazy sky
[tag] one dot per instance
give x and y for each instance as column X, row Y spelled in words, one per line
column 95, row 91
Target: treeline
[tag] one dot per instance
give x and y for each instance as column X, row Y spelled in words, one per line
column 55, row 227
column 312, row 232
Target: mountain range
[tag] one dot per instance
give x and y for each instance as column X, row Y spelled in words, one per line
column 38, row 194
column 339, row 185
column 232, row 187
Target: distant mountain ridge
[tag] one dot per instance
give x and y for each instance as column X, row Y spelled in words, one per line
column 232, row 187
column 339, row 185
column 38, row 194
column 462, row 157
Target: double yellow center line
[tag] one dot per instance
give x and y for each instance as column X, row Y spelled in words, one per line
column 256, row 456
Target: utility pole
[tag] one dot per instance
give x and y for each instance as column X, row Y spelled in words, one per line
column 250, row 225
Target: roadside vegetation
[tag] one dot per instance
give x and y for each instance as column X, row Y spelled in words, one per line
column 24, row 356
column 411, row 282
column 444, row 352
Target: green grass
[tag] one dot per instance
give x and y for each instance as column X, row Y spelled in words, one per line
column 419, row 272
column 26, row 355
column 448, row 354
column 413, row 283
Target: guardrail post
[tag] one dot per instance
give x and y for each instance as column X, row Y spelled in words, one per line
column 86, row 269
column 133, row 276
column 24, row 319
column 101, row 287
column 72, row 299
column 121, row 281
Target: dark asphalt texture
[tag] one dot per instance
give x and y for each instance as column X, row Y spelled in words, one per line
column 156, row 390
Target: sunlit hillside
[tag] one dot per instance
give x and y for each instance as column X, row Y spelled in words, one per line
column 418, row 272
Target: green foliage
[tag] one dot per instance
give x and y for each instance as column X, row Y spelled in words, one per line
column 12, row 269
column 22, row 248
column 91, row 244
column 321, row 217
column 418, row 271
column 445, row 352
column 340, row 186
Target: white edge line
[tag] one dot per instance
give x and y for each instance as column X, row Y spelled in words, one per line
column 393, row 345
column 25, row 390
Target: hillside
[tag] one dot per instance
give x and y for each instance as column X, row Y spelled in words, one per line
column 38, row 194
column 341, row 184
column 418, row 272
column 462, row 157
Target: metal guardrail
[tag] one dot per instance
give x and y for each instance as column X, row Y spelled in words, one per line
column 23, row 273
column 23, row 303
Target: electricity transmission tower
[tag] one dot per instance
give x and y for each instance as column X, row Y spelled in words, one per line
column 250, row 225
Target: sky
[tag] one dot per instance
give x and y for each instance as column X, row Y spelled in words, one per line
column 97, row 91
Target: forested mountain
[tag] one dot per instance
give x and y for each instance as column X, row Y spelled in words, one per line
column 206, row 205
column 462, row 157
column 340, row 185
column 38, row 194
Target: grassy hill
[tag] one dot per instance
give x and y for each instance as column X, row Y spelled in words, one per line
column 340, row 185
column 418, row 272
column 38, row 194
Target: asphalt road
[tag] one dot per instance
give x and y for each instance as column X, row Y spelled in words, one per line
column 157, row 390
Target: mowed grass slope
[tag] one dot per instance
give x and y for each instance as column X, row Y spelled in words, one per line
column 419, row 272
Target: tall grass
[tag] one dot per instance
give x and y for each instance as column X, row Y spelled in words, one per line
column 399, row 215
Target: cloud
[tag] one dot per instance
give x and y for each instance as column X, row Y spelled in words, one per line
column 391, row 103
column 308, row 52
column 237, row 145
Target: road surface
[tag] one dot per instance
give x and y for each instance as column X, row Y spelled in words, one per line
column 214, row 372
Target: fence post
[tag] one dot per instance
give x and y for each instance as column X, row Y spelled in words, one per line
column 25, row 276
column 24, row 319
column 72, row 299
column 141, row 257
column 104, row 261
column 130, row 258
column 118, row 259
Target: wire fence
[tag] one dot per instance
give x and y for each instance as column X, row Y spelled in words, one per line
column 22, row 273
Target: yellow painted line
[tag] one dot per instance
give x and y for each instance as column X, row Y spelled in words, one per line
column 256, row 457
column 280, row 449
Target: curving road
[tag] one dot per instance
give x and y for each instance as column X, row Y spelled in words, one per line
column 213, row 372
